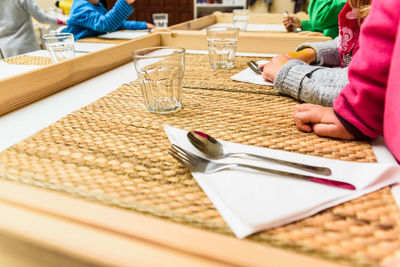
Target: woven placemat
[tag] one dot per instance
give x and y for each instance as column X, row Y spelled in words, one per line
column 199, row 74
column 28, row 60
column 115, row 152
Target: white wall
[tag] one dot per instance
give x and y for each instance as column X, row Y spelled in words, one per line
column 278, row 6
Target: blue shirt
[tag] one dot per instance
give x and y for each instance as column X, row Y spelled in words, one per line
column 88, row 20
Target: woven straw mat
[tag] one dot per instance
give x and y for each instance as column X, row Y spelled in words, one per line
column 115, row 152
column 28, row 60
column 199, row 74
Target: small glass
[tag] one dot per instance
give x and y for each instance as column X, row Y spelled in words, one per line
column 59, row 45
column 160, row 20
column 240, row 19
column 160, row 72
column 222, row 42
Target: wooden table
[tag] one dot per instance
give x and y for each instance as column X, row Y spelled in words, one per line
column 45, row 228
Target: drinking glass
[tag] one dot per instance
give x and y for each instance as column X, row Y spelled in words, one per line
column 160, row 20
column 222, row 42
column 59, row 45
column 160, row 72
column 240, row 19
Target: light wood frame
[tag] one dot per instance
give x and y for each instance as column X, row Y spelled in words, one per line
column 218, row 17
column 47, row 228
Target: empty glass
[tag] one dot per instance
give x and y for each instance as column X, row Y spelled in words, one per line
column 160, row 72
column 160, row 20
column 240, row 19
column 222, row 42
column 59, row 45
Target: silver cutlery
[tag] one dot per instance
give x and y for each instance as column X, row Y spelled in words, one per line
column 214, row 149
column 199, row 164
column 297, row 29
column 254, row 67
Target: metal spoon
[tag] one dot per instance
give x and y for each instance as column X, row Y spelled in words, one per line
column 254, row 67
column 297, row 29
column 214, row 149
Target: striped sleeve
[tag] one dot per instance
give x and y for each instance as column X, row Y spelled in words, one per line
column 134, row 25
column 112, row 20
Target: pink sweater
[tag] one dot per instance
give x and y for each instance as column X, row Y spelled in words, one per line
column 391, row 118
column 362, row 102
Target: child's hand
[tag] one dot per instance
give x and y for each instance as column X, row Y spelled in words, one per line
column 130, row 1
column 308, row 55
column 291, row 22
column 61, row 22
column 321, row 120
column 149, row 26
column 271, row 68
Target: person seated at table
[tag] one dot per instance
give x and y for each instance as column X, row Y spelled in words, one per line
column 323, row 18
column 17, row 34
column 368, row 106
column 90, row 18
column 319, row 83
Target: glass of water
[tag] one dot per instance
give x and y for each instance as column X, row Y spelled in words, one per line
column 160, row 72
column 160, row 20
column 240, row 19
column 59, row 45
column 222, row 42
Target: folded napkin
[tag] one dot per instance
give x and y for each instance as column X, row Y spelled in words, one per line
column 251, row 201
column 249, row 76
column 256, row 27
column 124, row 34
column 90, row 47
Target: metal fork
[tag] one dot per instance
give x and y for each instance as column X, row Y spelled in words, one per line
column 199, row 164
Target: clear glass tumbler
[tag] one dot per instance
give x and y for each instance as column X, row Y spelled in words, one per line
column 160, row 72
column 222, row 42
column 160, row 20
column 240, row 19
column 59, row 45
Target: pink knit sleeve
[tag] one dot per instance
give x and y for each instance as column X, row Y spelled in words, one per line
column 361, row 103
column 391, row 121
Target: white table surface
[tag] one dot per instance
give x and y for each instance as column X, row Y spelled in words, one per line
column 24, row 122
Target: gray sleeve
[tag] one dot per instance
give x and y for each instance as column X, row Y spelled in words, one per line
column 38, row 13
column 311, row 84
column 327, row 52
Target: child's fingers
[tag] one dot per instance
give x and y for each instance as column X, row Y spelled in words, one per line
column 304, row 107
column 266, row 77
column 304, row 127
column 332, row 130
column 326, row 129
column 287, row 20
column 305, row 119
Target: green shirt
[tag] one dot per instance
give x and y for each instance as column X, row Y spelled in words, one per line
column 323, row 17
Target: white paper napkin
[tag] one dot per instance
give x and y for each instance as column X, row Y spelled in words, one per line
column 256, row 27
column 252, row 201
column 90, row 47
column 124, row 34
column 249, row 76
